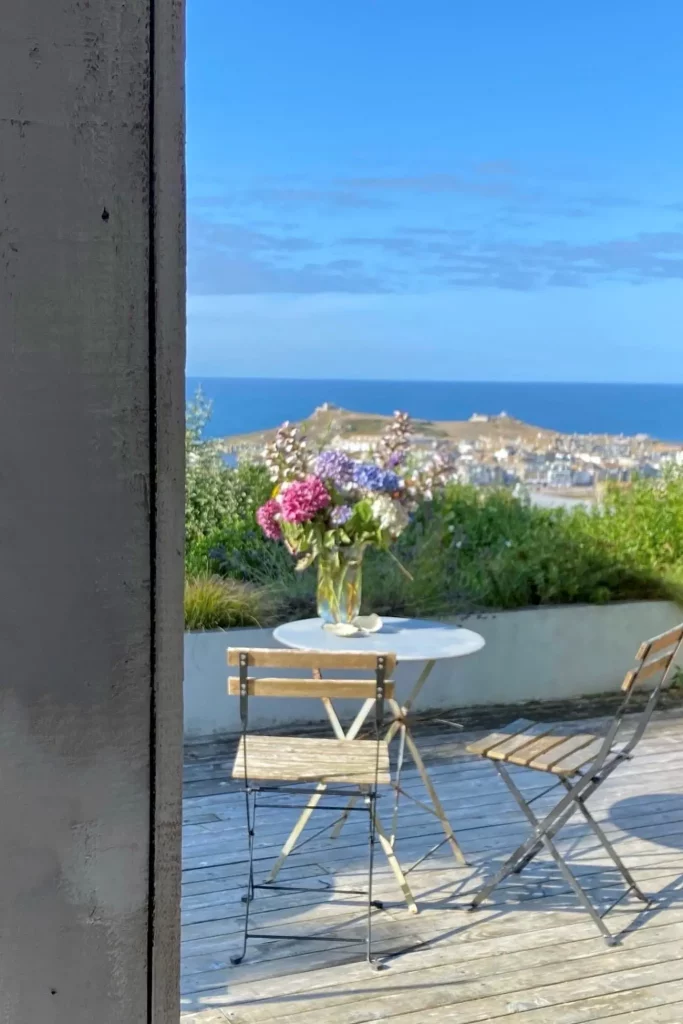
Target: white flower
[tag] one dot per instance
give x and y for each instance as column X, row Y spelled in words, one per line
column 390, row 515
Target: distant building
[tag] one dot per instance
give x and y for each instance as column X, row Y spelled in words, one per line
column 583, row 478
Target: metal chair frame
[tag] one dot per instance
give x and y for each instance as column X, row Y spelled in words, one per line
column 580, row 785
column 366, row 791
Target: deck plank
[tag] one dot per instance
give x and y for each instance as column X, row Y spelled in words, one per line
column 530, row 954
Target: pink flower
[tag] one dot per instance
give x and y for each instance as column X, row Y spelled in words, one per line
column 267, row 518
column 300, row 500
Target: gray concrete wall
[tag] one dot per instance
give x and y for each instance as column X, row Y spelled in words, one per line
column 91, row 407
column 535, row 654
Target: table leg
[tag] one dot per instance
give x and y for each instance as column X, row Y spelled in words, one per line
column 336, row 831
column 433, row 796
column 397, row 724
column 397, row 787
column 400, row 723
column 387, row 842
column 395, row 866
column 293, row 836
column 400, row 712
column 313, row 802
column 355, row 728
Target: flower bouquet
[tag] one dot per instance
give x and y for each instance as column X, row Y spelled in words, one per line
column 329, row 507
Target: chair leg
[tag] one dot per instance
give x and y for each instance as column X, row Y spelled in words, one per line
column 372, row 830
column 626, row 874
column 543, row 830
column 571, row 880
column 536, row 849
column 251, row 825
column 564, row 818
column 524, row 863
column 511, row 866
column 527, row 850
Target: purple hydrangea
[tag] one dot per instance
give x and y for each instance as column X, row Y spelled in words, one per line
column 374, row 478
column 335, row 466
column 392, row 481
column 340, row 515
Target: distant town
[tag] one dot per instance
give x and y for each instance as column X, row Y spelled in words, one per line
column 488, row 450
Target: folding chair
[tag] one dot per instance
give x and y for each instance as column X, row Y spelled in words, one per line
column 581, row 762
column 311, row 768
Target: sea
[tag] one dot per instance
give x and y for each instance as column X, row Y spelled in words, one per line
column 243, row 405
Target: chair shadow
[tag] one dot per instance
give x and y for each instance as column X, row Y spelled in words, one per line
column 643, row 817
column 530, row 893
column 668, row 807
column 628, row 815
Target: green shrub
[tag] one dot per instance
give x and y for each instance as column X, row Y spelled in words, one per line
column 643, row 522
column 206, row 478
column 475, row 550
column 220, row 503
column 221, row 533
column 212, row 602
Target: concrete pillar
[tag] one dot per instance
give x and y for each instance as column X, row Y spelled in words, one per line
column 91, row 509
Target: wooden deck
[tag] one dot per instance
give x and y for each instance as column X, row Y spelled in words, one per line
column 531, row 954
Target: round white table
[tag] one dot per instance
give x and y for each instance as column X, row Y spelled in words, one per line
column 411, row 640
column 408, row 639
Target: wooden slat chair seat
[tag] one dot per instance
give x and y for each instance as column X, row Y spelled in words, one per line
column 541, row 746
column 303, row 759
column 581, row 761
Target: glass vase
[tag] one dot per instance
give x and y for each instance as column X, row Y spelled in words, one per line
column 340, row 578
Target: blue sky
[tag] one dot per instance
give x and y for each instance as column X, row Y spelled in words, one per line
column 435, row 189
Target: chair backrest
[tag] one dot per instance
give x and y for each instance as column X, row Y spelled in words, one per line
column 655, row 663
column 376, row 688
column 655, row 657
column 314, row 662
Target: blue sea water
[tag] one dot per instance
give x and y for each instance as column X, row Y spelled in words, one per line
column 245, row 405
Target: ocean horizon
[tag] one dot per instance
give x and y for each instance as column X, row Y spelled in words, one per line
column 244, row 405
